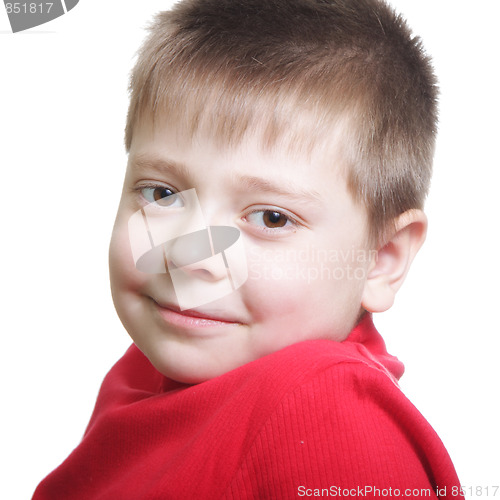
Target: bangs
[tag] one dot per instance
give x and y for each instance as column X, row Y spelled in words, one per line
column 296, row 110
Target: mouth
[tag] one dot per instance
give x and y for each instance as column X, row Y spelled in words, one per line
column 193, row 317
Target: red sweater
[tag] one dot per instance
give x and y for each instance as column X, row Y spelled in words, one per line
column 318, row 415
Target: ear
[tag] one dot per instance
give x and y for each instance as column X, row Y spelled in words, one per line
column 390, row 264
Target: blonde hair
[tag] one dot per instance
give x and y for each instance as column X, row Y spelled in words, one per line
column 295, row 69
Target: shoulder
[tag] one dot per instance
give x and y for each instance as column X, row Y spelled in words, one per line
column 327, row 379
column 338, row 418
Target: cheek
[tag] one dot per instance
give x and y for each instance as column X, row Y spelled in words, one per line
column 123, row 273
column 311, row 290
column 278, row 288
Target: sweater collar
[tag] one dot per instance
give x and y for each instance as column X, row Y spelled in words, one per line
column 366, row 335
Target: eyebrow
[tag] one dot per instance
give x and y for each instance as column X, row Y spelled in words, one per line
column 296, row 193
column 160, row 164
column 243, row 182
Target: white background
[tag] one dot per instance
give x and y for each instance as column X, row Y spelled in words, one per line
column 63, row 100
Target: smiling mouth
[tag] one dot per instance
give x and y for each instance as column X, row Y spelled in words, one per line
column 192, row 318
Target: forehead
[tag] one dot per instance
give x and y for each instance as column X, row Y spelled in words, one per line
column 297, row 146
column 163, row 145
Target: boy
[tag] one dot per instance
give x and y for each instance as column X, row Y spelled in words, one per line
column 279, row 155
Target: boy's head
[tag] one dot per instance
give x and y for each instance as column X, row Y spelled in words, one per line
column 308, row 125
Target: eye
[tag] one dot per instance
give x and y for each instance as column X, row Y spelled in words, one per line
column 270, row 219
column 162, row 196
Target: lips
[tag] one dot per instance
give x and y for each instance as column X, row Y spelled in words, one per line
column 193, row 317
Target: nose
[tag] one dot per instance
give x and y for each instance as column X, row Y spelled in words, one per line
column 201, row 253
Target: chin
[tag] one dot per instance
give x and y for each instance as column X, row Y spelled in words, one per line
column 189, row 372
column 188, row 377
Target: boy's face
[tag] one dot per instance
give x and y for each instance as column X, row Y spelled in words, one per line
column 305, row 242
